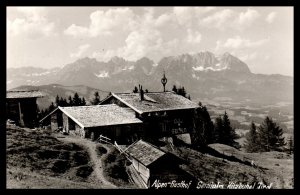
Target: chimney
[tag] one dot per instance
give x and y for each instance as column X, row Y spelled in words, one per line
column 141, row 92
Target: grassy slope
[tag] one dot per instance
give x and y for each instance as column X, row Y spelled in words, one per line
column 225, row 164
column 114, row 169
column 36, row 155
column 278, row 166
column 35, row 159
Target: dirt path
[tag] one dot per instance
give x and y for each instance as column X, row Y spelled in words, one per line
column 91, row 146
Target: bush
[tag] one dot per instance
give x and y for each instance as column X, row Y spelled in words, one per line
column 60, row 166
column 84, row 171
column 115, row 168
column 81, row 158
column 48, row 154
column 64, row 155
column 110, row 158
column 100, row 150
column 69, row 147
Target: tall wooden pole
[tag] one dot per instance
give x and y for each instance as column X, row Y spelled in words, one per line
column 164, row 81
column 20, row 113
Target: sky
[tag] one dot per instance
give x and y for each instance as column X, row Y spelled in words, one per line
column 49, row 37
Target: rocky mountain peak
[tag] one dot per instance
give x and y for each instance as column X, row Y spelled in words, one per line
column 233, row 63
column 145, row 60
column 117, row 60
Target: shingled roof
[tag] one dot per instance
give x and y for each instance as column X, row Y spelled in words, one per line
column 23, row 94
column 155, row 101
column 144, row 152
column 99, row 115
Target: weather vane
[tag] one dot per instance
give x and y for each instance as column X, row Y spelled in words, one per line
column 164, row 81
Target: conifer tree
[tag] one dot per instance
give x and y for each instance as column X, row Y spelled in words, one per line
column 218, row 130
column 203, row 127
column 228, row 131
column 83, row 102
column 63, row 102
column 270, row 136
column 70, row 101
column 135, row 90
column 224, row 133
column 208, row 126
column 57, row 102
column 174, row 89
column 277, row 140
column 51, row 107
column 76, row 100
column 181, row 91
column 291, row 145
column 96, row 99
column 252, row 144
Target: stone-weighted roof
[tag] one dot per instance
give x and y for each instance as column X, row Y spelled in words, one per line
column 155, row 101
column 23, row 94
column 99, row 115
column 144, row 152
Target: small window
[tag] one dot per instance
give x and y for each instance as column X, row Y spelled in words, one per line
column 163, row 127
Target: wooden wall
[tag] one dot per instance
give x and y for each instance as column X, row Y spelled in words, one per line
column 168, row 123
column 65, row 122
column 28, row 113
column 54, row 123
column 123, row 134
column 163, row 123
column 142, row 170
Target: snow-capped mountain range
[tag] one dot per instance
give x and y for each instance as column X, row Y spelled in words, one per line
column 203, row 74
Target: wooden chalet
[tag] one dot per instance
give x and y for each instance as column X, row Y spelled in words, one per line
column 21, row 107
column 115, row 122
column 164, row 114
column 149, row 163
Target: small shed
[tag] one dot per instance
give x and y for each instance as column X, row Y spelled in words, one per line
column 151, row 163
column 112, row 121
column 21, row 107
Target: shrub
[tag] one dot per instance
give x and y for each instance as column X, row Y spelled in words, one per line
column 84, row 171
column 81, row 158
column 100, row 150
column 60, row 166
column 115, row 168
column 48, row 154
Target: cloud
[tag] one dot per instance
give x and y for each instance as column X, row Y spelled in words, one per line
column 240, row 43
column 203, row 10
column 81, row 50
column 228, row 18
column 248, row 57
column 138, row 44
column 270, row 17
column 104, row 23
column 164, row 19
column 183, row 14
column 33, row 13
column 218, row 19
column 34, row 24
column 141, row 43
column 77, row 31
column 193, row 36
column 247, row 17
column 186, row 15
